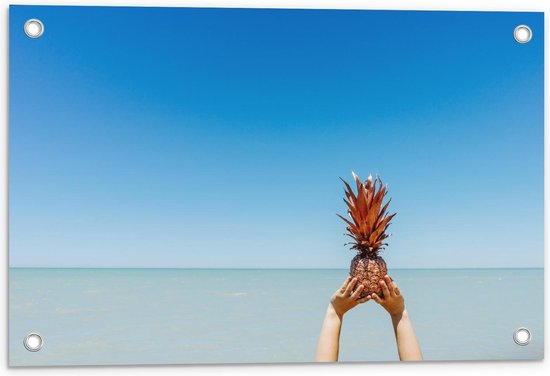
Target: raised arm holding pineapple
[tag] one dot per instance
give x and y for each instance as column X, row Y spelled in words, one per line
column 393, row 302
column 344, row 299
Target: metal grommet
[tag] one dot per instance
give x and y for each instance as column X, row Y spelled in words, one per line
column 522, row 336
column 34, row 28
column 33, row 342
column 523, row 34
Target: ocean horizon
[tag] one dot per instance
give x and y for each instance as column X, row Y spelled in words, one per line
column 120, row 316
column 258, row 268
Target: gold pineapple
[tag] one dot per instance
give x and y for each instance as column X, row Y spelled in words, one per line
column 367, row 227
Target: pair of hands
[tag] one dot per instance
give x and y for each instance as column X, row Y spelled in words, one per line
column 347, row 297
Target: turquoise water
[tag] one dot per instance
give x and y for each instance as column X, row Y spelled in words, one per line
column 177, row 316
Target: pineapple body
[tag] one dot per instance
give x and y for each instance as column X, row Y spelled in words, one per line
column 369, row 270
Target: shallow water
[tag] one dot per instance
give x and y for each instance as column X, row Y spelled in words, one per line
column 177, row 316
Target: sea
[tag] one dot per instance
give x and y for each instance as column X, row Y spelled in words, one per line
column 224, row 316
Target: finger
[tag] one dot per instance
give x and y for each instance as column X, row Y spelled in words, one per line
column 385, row 288
column 364, row 300
column 350, row 287
column 357, row 293
column 376, row 298
column 391, row 285
column 343, row 287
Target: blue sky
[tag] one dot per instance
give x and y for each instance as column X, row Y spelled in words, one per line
column 180, row 137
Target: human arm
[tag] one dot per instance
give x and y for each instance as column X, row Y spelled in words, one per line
column 342, row 301
column 394, row 303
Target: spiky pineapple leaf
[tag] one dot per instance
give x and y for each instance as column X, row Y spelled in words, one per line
column 369, row 217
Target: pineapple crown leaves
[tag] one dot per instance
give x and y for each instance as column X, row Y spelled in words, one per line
column 369, row 220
